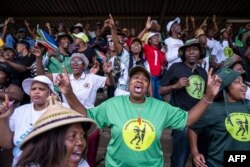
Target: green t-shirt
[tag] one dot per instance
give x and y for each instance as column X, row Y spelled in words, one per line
column 55, row 65
column 134, row 144
column 224, row 135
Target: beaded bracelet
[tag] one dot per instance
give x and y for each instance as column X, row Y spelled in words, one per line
column 208, row 102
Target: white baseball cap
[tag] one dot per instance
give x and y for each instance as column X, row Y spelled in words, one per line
column 169, row 25
column 40, row 78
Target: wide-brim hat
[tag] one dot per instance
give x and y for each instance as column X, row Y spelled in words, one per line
column 9, row 48
column 81, row 56
column 192, row 42
column 82, row 36
column 56, row 116
column 139, row 68
column 63, row 34
column 151, row 34
column 227, row 76
column 26, row 84
column 199, row 32
column 169, row 25
column 78, row 25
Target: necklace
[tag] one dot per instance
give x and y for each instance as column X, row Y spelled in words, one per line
column 135, row 108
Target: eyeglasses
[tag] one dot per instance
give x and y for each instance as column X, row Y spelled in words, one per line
column 76, row 62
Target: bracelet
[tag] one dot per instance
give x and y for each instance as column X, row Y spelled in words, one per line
column 208, row 102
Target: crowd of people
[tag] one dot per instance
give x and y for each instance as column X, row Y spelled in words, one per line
column 195, row 82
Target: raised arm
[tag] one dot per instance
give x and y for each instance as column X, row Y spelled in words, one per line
column 117, row 45
column 6, row 22
column 32, row 32
column 63, row 83
column 39, row 64
column 6, row 110
column 215, row 27
column 107, row 68
column 146, row 29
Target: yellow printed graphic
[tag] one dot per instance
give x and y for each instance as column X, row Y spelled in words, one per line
column 138, row 137
column 239, row 126
column 228, row 52
column 196, row 86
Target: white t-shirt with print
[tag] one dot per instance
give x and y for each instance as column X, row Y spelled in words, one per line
column 218, row 51
column 21, row 123
column 85, row 88
column 173, row 46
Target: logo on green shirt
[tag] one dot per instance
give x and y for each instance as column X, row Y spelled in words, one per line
column 196, row 86
column 138, row 137
column 239, row 126
column 228, row 52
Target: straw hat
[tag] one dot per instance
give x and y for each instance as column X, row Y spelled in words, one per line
column 56, row 116
column 199, row 32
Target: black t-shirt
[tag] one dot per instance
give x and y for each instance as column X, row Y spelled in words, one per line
column 89, row 53
column 26, row 61
column 186, row 97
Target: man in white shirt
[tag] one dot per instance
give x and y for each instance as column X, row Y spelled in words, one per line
column 173, row 42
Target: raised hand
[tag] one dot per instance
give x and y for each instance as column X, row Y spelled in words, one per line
column 107, row 67
column 6, row 108
column 63, row 82
column 214, row 18
column 148, row 23
column 26, row 23
column 213, row 84
column 36, row 51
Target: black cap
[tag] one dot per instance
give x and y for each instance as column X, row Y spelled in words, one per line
column 5, row 68
column 139, row 69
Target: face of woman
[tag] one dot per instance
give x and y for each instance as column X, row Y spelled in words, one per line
column 75, row 143
column 77, row 66
column 237, row 90
column 136, row 47
column 39, row 92
column 138, row 86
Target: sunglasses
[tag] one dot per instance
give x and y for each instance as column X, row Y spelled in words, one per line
column 76, row 62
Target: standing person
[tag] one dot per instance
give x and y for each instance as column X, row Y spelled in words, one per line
column 227, row 122
column 56, row 61
column 154, row 54
column 81, row 40
column 85, row 88
column 173, row 42
column 128, row 58
column 58, row 138
column 15, row 127
column 186, row 82
column 125, row 114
